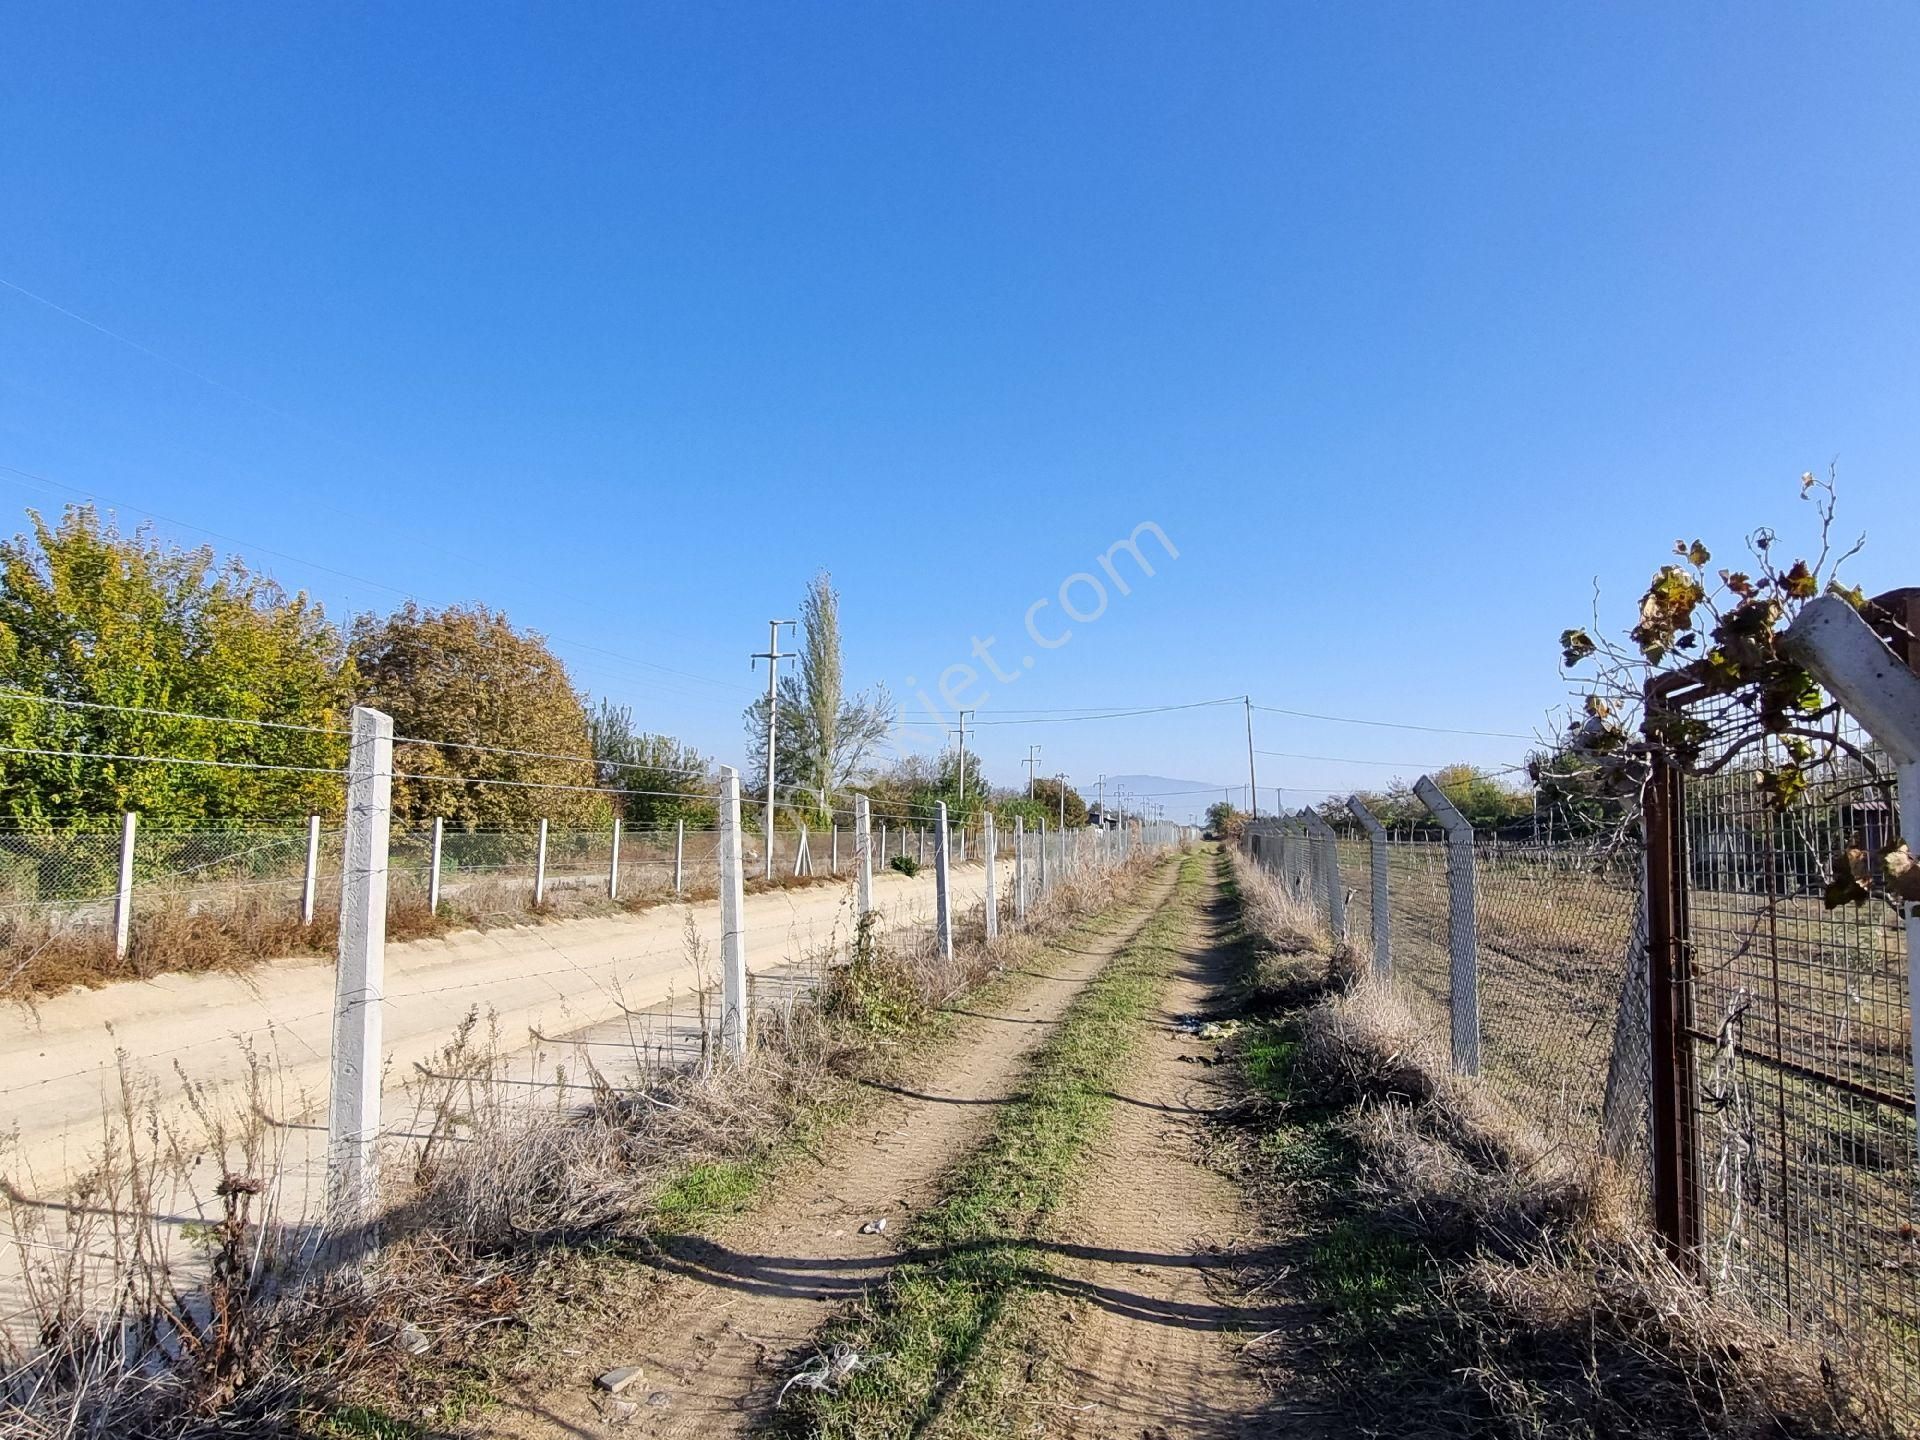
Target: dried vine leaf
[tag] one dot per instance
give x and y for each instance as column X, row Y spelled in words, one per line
column 1852, row 869
column 1903, row 876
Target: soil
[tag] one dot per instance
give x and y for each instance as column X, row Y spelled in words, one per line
column 714, row 1332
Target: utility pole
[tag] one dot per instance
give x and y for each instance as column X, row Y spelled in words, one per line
column 773, row 657
column 1033, row 759
column 1102, row 783
column 962, row 806
column 1253, row 795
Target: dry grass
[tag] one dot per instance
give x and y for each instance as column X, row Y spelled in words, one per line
column 41, row 957
column 1473, row 1276
column 502, row 1211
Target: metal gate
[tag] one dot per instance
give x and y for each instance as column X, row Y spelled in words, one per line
column 1783, row 1079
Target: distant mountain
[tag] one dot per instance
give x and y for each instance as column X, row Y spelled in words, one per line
column 1185, row 801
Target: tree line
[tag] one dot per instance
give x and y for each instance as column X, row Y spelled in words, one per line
column 114, row 644
column 117, row 645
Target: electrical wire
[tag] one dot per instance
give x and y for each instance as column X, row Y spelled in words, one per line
column 1395, row 724
column 168, row 760
column 545, row 755
column 7, row 693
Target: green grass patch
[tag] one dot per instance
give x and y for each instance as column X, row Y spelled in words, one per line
column 936, row 1314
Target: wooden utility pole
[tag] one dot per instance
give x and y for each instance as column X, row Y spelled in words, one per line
column 1253, row 794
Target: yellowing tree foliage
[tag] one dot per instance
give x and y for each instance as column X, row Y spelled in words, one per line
column 89, row 613
column 464, row 677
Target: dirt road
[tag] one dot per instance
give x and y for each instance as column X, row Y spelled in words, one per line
column 730, row 1306
column 1147, row 1344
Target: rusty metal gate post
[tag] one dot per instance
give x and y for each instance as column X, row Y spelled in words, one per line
column 1676, row 1144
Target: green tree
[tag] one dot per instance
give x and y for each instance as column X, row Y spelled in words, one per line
column 665, row 780
column 1484, row 799
column 92, row 615
column 1047, row 795
column 1224, row 821
column 823, row 739
column 471, row 689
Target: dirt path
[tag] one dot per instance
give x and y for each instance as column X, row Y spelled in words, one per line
column 1147, row 1345
column 732, row 1306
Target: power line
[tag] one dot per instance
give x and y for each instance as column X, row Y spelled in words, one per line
column 168, row 760
column 1397, row 725
column 545, row 755
column 26, row 698
column 541, row 785
column 1421, row 765
column 1112, row 714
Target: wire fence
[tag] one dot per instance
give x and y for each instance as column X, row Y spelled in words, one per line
column 1783, row 1172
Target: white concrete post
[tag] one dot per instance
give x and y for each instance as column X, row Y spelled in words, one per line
column 943, row 893
column 123, row 897
column 993, row 888
column 802, row 862
column 679, row 852
column 833, row 855
column 353, row 1103
column 1324, row 846
column 1831, row 639
column 313, row 870
column 863, row 854
column 540, row 868
column 433, row 871
column 1463, row 926
column 1377, row 872
column 923, row 841
column 613, row 865
column 1043, row 856
column 733, row 933
column 1020, row 869
column 883, row 842
column 960, row 844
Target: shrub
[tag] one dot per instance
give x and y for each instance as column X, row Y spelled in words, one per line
column 905, row 864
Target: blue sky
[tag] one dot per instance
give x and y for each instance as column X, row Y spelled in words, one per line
column 1405, row 323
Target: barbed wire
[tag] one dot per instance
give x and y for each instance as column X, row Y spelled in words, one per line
column 170, row 760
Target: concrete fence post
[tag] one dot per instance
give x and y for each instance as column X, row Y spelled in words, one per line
column 1377, row 874
column 679, row 854
column 1324, row 846
column 1463, row 926
column 433, row 867
column 312, row 881
column 1043, row 856
column 833, row 854
column 960, row 843
column 123, row 895
column 353, row 1102
column 540, row 867
column 613, row 864
column 863, row 854
column 942, row 883
column 883, row 842
column 1020, row 869
column 987, row 838
column 733, row 936
column 923, row 842
column 802, row 861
